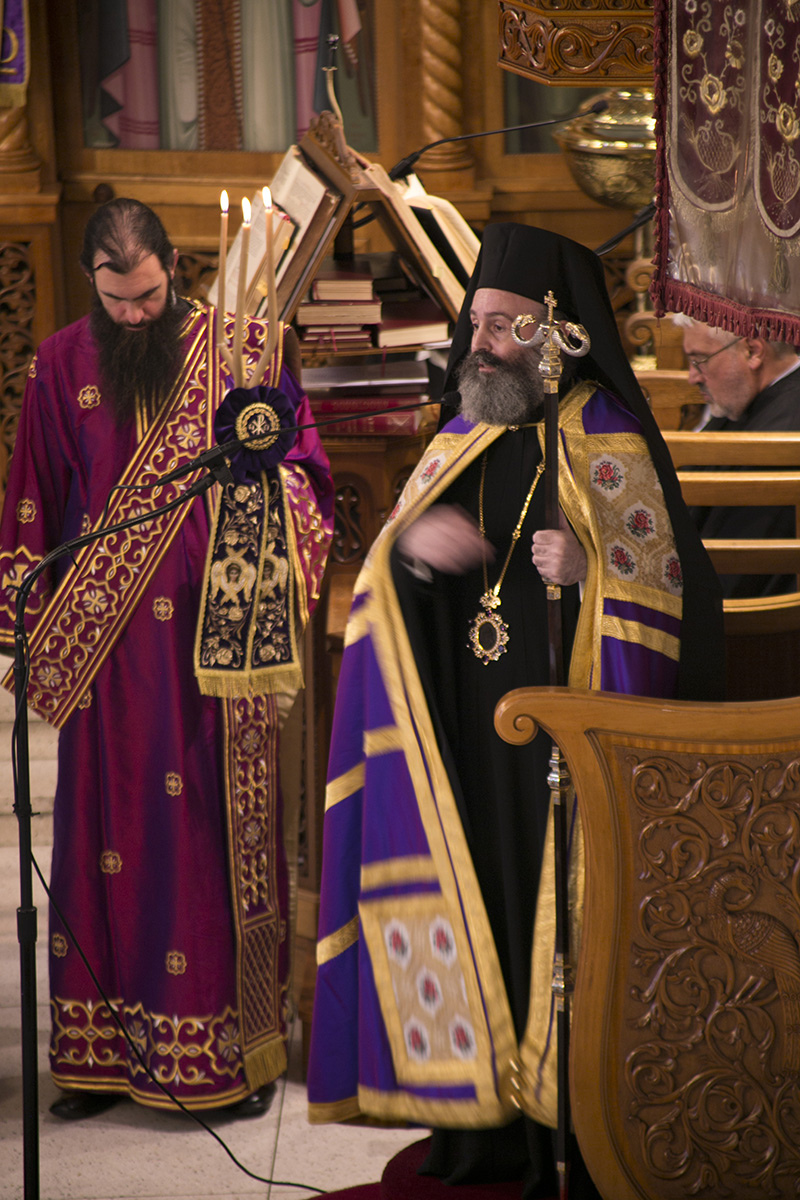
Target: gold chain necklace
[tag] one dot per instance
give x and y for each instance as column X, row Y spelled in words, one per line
column 488, row 633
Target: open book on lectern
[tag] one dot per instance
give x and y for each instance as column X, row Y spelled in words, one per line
column 313, row 192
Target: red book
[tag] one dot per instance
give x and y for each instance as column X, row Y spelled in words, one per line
column 370, row 415
column 393, row 424
column 412, row 323
column 332, row 338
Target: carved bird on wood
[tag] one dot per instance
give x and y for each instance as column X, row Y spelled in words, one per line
column 766, row 945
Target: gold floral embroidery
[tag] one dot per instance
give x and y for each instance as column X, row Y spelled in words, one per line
column 32, row 367
column 110, row 862
column 89, row 397
column 692, row 43
column 188, row 437
column 48, row 677
column 95, row 600
column 58, row 945
column 26, row 511
column 787, row 123
column 163, row 608
column 86, row 524
column 174, row 783
column 85, row 700
column 176, row 963
column 712, row 92
column 85, row 1033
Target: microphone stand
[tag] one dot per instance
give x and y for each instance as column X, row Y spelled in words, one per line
column 218, row 470
column 26, row 913
column 572, row 339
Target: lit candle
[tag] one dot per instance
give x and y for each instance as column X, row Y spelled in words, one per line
column 272, row 295
column 223, row 255
column 266, row 196
column 253, row 288
column 238, row 327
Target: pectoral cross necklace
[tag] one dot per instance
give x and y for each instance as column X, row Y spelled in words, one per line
column 488, row 632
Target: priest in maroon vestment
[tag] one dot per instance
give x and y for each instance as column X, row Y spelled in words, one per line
column 163, row 655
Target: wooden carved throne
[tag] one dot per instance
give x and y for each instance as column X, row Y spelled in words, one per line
column 685, row 1043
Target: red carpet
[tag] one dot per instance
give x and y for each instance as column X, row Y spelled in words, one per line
column 400, row 1181
column 364, row 1191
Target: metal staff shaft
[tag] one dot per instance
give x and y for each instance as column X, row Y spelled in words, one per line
column 571, row 339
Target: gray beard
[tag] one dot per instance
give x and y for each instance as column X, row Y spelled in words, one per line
column 512, row 395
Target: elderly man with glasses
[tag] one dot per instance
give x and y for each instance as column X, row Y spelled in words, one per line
column 749, row 384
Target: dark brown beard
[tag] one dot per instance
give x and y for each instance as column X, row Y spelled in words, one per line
column 138, row 364
column 512, row 395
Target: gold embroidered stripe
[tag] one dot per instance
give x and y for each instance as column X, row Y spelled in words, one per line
column 383, row 741
column 642, row 635
column 619, row 443
column 339, row 789
column 661, row 601
column 357, row 626
column 397, row 870
column 336, row 943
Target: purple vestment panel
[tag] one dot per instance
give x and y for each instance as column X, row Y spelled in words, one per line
column 606, row 414
column 636, row 670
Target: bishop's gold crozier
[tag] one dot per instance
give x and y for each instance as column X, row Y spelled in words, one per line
column 558, row 337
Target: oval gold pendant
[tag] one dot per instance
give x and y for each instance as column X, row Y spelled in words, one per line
column 488, row 637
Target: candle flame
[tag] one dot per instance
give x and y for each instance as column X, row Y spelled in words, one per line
column 223, row 200
column 245, row 210
column 266, row 196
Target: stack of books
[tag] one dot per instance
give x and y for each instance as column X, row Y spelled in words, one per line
column 369, row 300
column 341, row 309
column 382, row 399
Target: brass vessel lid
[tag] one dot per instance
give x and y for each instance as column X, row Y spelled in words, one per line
column 626, row 126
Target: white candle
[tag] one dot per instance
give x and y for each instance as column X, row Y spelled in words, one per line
column 266, row 196
column 272, row 296
column 266, row 257
column 238, row 328
column 223, row 255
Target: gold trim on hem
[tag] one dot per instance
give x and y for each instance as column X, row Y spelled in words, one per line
column 269, row 682
column 450, row 1114
column 119, row 1087
column 266, row 1063
column 330, row 1114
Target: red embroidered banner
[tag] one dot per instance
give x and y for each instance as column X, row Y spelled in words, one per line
column 728, row 164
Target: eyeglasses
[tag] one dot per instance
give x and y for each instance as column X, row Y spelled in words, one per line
column 698, row 361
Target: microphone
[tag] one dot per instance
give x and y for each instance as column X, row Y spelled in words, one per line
column 403, row 168
column 213, row 459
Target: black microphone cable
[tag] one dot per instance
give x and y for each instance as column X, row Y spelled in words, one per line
column 403, row 167
column 110, row 1006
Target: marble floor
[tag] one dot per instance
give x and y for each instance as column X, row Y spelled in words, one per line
column 131, row 1152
